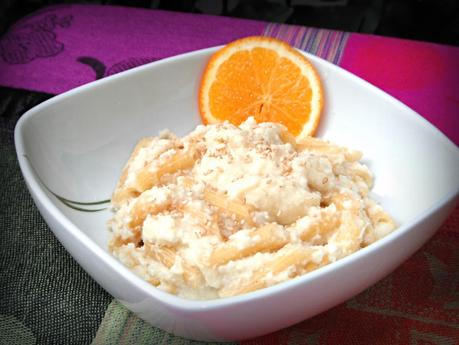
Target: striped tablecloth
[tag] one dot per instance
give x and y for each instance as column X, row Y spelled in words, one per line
column 61, row 47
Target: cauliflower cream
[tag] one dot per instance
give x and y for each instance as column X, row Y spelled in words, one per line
column 227, row 210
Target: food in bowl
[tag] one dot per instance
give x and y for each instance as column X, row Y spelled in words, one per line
column 231, row 209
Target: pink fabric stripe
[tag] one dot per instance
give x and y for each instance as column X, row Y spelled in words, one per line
column 328, row 44
column 62, row 47
column 425, row 76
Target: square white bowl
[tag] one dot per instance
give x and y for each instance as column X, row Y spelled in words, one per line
column 75, row 145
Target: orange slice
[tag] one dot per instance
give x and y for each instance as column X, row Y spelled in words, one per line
column 265, row 78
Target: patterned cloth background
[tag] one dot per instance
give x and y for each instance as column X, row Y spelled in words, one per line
column 45, row 295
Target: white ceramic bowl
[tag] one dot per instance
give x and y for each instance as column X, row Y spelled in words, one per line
column 76, row 144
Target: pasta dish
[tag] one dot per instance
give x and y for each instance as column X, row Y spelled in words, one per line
column 231, row 209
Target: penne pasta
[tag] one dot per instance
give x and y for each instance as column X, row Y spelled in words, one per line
column 298, row 258
column 349, row 233
column 207, row 222
column 267, row 238
column 123, row 192
column 243, row 211
column 323, row 147
column 321, row 228
column 142, row 208
column 192, row 275
column 287, row 137
column 151, row 175
column 164, row 255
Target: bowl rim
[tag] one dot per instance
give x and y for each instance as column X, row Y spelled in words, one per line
column 187, row 305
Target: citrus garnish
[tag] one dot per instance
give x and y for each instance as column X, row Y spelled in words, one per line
column 265, row 78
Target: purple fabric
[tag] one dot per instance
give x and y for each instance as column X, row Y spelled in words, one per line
column 61, row 47
column 424, row 76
